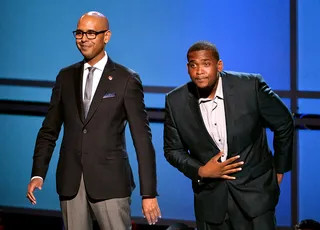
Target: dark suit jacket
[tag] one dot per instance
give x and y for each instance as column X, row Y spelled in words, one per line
column 250, row 107
column 96, row 146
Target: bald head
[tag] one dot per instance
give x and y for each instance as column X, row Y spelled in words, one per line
column 92, row 35
column 98, row 18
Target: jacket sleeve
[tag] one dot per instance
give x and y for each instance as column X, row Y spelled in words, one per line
column 48, row 133
column 141, row 135
column 276, row 116
column 175, row 151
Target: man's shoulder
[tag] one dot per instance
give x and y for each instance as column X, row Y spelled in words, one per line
column 124, row 73
column 74, row 65
column 178, row 91
column 124, row 69
column 240, row 76
column 71, row 67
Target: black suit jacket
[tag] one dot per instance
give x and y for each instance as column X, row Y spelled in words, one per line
column 250, row 107
column 96, row 146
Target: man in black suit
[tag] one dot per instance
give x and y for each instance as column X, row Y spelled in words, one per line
column 215, row 133
column 94, row 99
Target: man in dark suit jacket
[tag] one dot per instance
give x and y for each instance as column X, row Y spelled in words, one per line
column 215, row 133
column 94, row 99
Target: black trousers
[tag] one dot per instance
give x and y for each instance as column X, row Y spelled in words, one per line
column 237, row 220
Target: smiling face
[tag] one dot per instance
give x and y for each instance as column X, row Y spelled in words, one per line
column 93, row 49
column 203, row 69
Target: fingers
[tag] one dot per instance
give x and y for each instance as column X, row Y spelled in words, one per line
column 230, row 160
column 228, row 177
column 229, row 168
column 279, row 178
column 31, row 187
column 151, row 210
column 38, row 184
column 151, row 216
column 31, row 198
column 233, row 166
column 231, row 171
column 30, row 194
column 158, row 212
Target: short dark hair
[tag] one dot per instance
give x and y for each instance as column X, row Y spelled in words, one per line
column 204, row 45
column 308, row 224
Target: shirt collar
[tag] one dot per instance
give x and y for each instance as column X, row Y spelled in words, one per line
column 219, row 92
column 100, row 64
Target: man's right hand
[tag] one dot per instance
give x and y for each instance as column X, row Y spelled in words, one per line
column 215, row 169
column 34, row 183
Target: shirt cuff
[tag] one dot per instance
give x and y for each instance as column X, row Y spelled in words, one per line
column 34, row 177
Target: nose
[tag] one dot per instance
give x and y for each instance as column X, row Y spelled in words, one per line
column 84, row 38
column 199, row 70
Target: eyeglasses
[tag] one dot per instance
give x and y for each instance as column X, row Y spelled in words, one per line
column 91, row 34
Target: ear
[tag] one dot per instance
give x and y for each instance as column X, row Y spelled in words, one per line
column 107, row 36
column 220, row 65
column 188, row 68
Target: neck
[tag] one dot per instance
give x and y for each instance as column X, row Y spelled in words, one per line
column 95, row 59
column 208, row 92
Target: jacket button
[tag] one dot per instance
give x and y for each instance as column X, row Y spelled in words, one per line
column 85, row 131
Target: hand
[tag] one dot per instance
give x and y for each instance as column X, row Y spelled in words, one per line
column 215, row 169
column 151, row 210
column 34, row 183
column 279, row 178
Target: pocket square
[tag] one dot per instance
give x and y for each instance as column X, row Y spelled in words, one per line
column 108, row 95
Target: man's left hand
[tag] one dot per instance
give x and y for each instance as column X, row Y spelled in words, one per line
column 279, row 177
column 151, row 210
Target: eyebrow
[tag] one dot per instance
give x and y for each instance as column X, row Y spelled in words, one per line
column 202, row 60
column 85, row 30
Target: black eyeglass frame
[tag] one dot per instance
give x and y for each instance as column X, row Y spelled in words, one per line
column 91, row 32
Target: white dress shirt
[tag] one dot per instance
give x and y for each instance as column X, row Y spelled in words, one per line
column 213, row 115
column 99, row 66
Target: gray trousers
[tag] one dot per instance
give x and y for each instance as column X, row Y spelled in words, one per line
column 79, row 211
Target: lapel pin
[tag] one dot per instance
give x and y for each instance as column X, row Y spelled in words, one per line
column 110, row 78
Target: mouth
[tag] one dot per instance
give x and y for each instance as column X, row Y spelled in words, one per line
column 201, row 79
column 84, row 47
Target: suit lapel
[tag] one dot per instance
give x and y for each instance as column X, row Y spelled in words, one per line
column 229, row 107
column 195, row 110
column 78, row 75
column 103, row 85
